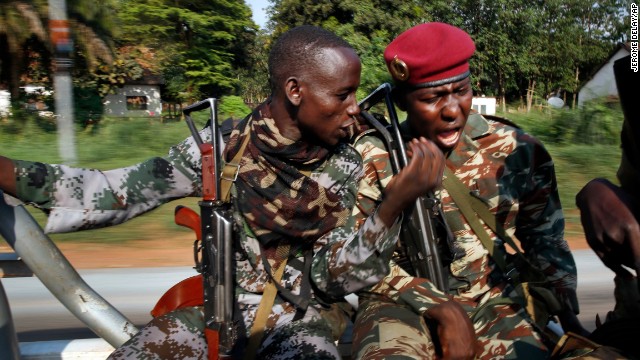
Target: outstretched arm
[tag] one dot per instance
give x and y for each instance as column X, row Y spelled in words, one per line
column 83, row 198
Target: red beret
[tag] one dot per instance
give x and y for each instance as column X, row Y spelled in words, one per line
column 430, row 54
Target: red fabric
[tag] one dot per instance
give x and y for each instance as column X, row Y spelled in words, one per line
column 432, row 51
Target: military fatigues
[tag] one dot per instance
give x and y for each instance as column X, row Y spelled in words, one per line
column 514, row 174
column 343, row 260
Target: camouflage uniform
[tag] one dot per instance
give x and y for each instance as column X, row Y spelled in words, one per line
column 343, row 260
column 514, row 174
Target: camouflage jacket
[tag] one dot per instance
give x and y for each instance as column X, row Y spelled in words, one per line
column 513, row 173
column 344, row 260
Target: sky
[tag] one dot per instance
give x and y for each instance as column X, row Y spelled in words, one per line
column 259, row 14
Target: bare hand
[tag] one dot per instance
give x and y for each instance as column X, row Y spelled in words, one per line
column 7, row 176
column 610, row 226
column 455, row 331
column 422, row 174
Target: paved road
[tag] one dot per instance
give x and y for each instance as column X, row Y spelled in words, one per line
column 38, row 316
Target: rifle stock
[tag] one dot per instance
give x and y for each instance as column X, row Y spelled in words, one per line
column 217, row 235
column 419, row 239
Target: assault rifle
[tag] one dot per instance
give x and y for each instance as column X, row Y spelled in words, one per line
column 419, row 239
column 214, row 253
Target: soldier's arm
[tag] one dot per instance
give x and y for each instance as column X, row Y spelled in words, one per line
column 358, row 254
column 82, row 198
column 540, row 229
column 362, row 260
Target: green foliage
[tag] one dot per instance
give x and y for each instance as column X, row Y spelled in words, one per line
column 598, row 122
column 233, row 107
column 87, row 105
column 199, row 44
column 106, row 79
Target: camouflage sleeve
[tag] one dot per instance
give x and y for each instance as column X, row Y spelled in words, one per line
column 80, row 198
column 346, row 266
column 540, row 224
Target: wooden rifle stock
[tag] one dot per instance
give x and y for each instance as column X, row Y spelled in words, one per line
column 419, row 239
column 216, row 247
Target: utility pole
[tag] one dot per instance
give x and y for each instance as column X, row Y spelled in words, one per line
column 62, row 85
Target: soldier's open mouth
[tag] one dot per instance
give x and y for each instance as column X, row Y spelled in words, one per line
column 449, row 138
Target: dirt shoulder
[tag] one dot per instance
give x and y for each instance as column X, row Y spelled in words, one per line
column 176, row 251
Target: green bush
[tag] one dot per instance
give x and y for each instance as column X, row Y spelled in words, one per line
column 232, row 107
column 597, row 122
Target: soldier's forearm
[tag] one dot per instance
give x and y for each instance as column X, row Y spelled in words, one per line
column 7, row 176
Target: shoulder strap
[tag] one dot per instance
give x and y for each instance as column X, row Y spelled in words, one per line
column 266, row 303
column 230, row 171
column 472, row 208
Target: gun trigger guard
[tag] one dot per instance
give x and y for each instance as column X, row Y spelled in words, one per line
column 196, row 251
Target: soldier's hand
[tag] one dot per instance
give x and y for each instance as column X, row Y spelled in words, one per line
column 610, row 226
column 7, row 176
column 422, row 174
column 455, row 331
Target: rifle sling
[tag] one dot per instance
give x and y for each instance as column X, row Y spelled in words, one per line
column 230, row 171
column 471, row 208
column 266, row 303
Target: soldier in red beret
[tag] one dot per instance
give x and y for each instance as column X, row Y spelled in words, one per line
column 478, row 315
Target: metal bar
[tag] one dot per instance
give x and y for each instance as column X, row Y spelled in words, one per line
column 47, row 262
column 8, row 338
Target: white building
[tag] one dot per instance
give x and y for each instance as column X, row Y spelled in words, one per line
column 602, row 82
column 484, row 105
column 5, row 103
column 134, row 100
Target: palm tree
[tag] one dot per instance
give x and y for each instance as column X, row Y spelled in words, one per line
column 23, row 30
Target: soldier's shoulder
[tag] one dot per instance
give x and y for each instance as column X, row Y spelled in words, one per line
column 501, row 120
column 369, row 138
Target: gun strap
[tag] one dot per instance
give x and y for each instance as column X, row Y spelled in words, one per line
column 471, row 208
column 266, row 303
column 231, row 169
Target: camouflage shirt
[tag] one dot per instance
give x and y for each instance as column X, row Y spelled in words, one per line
column 513, row 173
column 344, row 260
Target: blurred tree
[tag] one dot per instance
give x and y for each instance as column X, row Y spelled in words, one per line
column 526, row 50
column 198, row 45
column 25, row 43
column 254, row 79
column 368, row 25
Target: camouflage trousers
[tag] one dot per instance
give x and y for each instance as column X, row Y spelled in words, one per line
column 180, row 335
column 387, row 328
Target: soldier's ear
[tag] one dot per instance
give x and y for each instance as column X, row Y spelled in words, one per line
column 292, row 91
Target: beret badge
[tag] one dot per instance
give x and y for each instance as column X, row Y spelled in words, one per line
column 399, row 69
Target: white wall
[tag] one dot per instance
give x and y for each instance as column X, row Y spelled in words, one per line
column 484, row 105
column 5, row 103
column 603, row 83
column 116, row 104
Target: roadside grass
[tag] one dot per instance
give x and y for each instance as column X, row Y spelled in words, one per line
column 117, row 142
